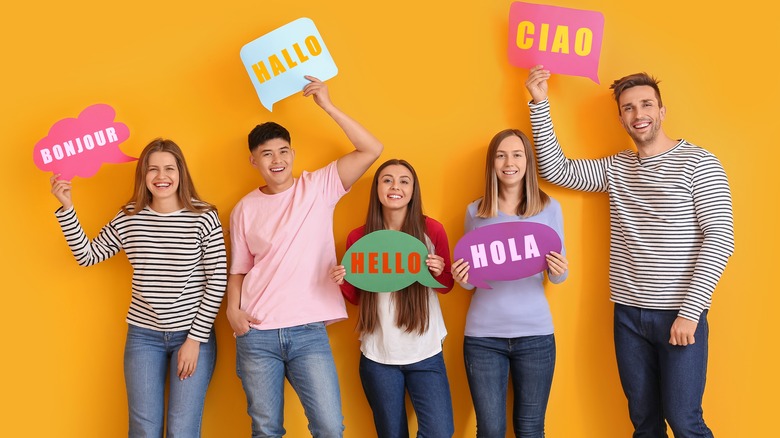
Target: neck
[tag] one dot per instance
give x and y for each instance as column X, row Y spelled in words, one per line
column 394, row 219
column 661, row 144
column 509, row 198
column 271, row 188
column 168, row 205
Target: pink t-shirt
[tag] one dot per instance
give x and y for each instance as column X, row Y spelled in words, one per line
column 284, row 244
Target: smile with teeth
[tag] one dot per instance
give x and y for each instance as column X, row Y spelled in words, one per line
column 394, row 196
column 162, row 185
column 277, row 169
column 509, row 172
column 641, row 125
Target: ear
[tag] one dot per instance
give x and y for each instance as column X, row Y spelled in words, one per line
column 663, row 113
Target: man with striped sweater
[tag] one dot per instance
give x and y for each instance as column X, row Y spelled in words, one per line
column 672, row 233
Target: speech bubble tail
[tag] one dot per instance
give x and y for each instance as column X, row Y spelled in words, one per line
column 595, row 79
column 429, row 281
column 270, row 107
column 480, row 284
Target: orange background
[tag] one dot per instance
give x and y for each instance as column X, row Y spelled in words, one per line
column 432, row 81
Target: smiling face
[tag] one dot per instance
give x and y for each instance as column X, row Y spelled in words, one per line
column 162, row 180
column 274, row 160
column 510, row 162
column 395, row 186
column 640, row 114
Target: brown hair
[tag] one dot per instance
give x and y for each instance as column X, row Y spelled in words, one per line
column 186, row 191
column 533, row 198
column 635, row 80
column 411, row 303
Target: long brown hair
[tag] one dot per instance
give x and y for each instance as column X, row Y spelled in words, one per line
column 533, row 199
column 411, row 303
column 186, row 192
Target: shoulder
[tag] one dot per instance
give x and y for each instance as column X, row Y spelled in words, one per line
column 358, row 232
column 433, row 226
column 473, row 205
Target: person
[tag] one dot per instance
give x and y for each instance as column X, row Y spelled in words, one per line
column 509, row 328
column 175, row 245
column 279, row 295
column 671, row 235
column 402, row 332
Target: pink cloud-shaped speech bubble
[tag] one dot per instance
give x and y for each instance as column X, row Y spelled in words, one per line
column 78, row 147
column 564, row 40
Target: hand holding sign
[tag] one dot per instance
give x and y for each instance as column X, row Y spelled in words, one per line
column 506, row 251
column 564, row 40
column 387, row 261
column 278, row 61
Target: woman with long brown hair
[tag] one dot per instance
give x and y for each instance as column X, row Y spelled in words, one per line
column 402, row 332
column 509, row 330
column 175, row 244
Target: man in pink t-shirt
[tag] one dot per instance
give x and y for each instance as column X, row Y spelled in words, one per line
column 279, row 293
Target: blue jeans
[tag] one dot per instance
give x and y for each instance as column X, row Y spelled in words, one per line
column 301, row 354
column 489, row 362
column 150, row 357
column 661, row 381
column 429, row 391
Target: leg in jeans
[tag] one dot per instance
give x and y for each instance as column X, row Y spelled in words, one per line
column 683, row 375
column 146, row 364
column 487, row 370
column 429, row 391
column 532, row 363
column 260, row 366
column 385, row 391
column 637, row 361
column 187, row 397
column 312, row 374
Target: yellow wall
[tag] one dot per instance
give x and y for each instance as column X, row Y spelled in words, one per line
column 432, row 80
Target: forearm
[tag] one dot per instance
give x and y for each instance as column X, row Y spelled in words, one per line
column 234, row 285
column 359, row 136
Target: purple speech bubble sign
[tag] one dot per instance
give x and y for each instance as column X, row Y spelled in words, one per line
column 78, row 147
column 563, row 40
column 506, row 251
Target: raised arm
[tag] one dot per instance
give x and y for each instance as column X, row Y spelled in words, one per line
column 554, row 166
column 367, row 147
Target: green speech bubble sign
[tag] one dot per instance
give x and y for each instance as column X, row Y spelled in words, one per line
column 387, row 261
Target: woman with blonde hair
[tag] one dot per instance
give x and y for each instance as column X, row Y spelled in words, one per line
column 175, row 244
column 509, row 330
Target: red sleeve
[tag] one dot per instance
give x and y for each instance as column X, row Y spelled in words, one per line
column 351, row 293
column 438, row 236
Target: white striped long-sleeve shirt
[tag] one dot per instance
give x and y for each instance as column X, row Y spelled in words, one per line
column 671, row 223
column 179, row 265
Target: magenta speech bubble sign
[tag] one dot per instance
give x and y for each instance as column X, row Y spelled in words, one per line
column 564, row 40
column 78, row 147
column 506, row 251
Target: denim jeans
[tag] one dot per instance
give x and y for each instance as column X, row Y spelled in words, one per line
column 264, row 358
column 489, row 362
column 661, row 381
column 429, row 390
column 150, row 357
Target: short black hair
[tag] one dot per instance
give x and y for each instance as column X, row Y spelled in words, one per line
column 267, row 131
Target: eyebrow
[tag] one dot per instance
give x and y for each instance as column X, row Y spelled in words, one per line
column 271, row 150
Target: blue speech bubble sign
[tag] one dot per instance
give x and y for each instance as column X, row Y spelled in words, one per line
column 278, row 61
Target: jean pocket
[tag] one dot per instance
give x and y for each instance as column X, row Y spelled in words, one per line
column 243, row 335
